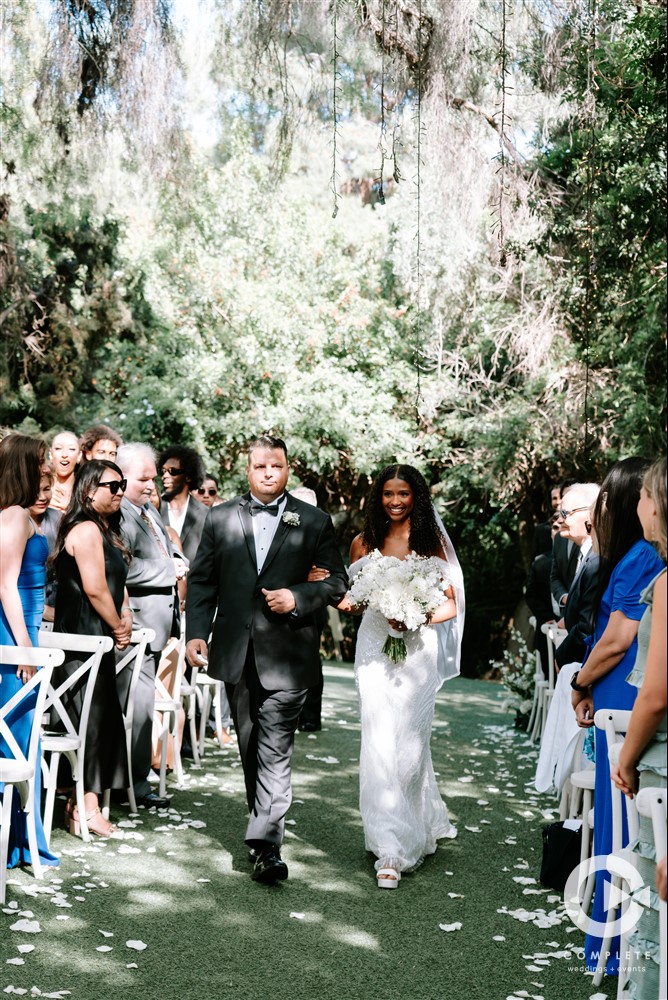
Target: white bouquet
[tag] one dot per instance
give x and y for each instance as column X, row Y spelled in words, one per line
column 405, row 590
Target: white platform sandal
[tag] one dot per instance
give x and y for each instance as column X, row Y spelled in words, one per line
column 388, row 878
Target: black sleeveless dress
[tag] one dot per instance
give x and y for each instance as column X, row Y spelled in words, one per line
column 105, row 762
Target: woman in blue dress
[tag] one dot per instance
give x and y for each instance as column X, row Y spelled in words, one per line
column 23, row 554
column 628, row 564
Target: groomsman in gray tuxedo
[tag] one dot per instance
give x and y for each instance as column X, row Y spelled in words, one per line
column 250, row 574
column 151, row 585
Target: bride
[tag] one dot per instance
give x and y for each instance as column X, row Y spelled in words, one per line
column 403, row 813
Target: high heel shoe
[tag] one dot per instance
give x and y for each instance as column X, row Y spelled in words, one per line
column 388, row 878
column 95, row 822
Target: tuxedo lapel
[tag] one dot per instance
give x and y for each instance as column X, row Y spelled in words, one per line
column 281, row 533
column 247, row 525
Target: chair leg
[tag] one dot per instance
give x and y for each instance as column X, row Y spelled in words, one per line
column 5, row 820
column 163, row 740
column 50, row 780
column 217, row 715
column 192, row 722
column 27, row 793
column 176, row 749
column 106, row 800
column 77, row 774
column 611, row 916
column 205, row 708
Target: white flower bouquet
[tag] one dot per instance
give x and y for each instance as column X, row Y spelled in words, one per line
column 405, row 590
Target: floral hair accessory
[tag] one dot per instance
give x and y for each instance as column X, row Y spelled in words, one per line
column 292, row 518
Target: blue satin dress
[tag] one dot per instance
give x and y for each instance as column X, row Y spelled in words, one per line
column 629, row 578
column 31, row 591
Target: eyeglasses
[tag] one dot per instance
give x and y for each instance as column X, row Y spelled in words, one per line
column 115, row 486
column 171, row 471
column 567, row 513
column 210, row 493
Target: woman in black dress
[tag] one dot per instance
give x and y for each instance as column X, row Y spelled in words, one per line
column 91, row 564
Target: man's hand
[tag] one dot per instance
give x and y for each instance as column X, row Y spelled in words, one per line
column 197, row 653
column 282, row 602
column 181, row 568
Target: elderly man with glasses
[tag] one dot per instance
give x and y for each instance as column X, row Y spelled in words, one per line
column 575, row 527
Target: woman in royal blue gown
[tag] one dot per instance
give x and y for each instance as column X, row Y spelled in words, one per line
column 628, row 564
column 23, row 554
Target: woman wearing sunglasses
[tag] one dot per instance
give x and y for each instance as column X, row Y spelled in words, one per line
column 91, row 563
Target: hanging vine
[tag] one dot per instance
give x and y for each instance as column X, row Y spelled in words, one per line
column 382, row 139
column 503, row 139
column 589, row 113
column 418, row 236
column 335, row 87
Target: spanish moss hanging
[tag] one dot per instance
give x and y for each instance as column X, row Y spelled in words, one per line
column 589, row 114
column 417, row 337
column 335, row 89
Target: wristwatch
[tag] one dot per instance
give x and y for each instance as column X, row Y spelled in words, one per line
column 582, row 688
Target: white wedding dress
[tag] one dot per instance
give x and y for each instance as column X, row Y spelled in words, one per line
column 402, row 810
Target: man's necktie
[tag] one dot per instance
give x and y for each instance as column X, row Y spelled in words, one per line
column 272, row 509
column 154, row 531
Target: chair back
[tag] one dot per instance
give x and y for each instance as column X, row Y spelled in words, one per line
column 35, row 687
column 132, row 660
column 94, row 645
column 169, row 675
column 614, row 722
column 651, row 802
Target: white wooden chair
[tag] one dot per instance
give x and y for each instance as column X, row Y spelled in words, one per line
column 651, row 802
column 189, row 693
column 18, row 768
column 545, row 685
column 71, row 741
column 614, row 723
column 131, row 660
column 209, row 692
column 169, row 708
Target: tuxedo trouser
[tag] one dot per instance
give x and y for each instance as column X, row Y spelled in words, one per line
column 142, row 721
column 265, row 723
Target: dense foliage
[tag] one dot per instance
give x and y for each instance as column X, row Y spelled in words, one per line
column 169, row 263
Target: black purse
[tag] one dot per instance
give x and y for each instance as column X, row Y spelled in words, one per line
column 561, row 854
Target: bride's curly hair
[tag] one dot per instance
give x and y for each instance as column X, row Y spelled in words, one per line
column 425, row 536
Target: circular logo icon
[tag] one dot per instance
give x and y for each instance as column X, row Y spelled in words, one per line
column 624, row 892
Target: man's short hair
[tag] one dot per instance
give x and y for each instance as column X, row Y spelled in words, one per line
column 268, row 441
column 127, row 453
column 101, row 432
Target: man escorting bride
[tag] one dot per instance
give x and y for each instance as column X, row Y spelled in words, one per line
column 402, row 810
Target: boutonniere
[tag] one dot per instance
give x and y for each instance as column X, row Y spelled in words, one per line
column 292, row 518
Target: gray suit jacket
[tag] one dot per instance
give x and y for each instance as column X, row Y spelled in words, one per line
column 151, row 576
column 564, row 565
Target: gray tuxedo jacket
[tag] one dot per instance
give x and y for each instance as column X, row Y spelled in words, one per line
column 191, row 532
column 224, row 582
column 564, row 565
column 151, row 575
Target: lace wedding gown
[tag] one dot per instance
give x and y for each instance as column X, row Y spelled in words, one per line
column 402, row 810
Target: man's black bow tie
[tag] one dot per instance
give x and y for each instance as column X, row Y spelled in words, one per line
column 268, row 509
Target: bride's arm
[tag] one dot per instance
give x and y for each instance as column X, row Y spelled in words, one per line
column 447, row 610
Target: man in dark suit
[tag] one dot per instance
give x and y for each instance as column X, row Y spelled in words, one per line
column 250, row 573
column 182, row 471
column 579, row 613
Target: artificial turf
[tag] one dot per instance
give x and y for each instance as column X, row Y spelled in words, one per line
column 184, row 889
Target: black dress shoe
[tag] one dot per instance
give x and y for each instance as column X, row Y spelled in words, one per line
column 151, row 800
column 187, row 752
column 270, row 867
column 252, row 856
column 309, row 727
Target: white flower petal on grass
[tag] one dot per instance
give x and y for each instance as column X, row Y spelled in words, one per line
column 136, row 945
column 26, row 926
column 524, row 880
column 599, row 996
column 15, row 961
column 104, row 947
column 473, row 829
column 25, row 949
column 132, row 965
column 298, row 916
column 466, row 778
column 457, row 926
column 203, row 879
column 16, row 990
column 455, row 895
column 107, row 933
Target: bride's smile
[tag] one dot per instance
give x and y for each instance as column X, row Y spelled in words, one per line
column 397, row 499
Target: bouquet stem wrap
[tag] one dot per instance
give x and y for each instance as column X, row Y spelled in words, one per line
column 395, row 646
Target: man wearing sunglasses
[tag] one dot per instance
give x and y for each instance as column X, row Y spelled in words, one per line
column 207, row 493
column 182, row 471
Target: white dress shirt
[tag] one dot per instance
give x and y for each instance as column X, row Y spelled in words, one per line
column 265, row 527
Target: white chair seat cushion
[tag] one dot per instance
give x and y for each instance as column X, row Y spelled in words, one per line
column 59, row 742
column 12, row 771
column 583, row 779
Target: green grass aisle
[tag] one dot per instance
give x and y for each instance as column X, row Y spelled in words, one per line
column 180, row 885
